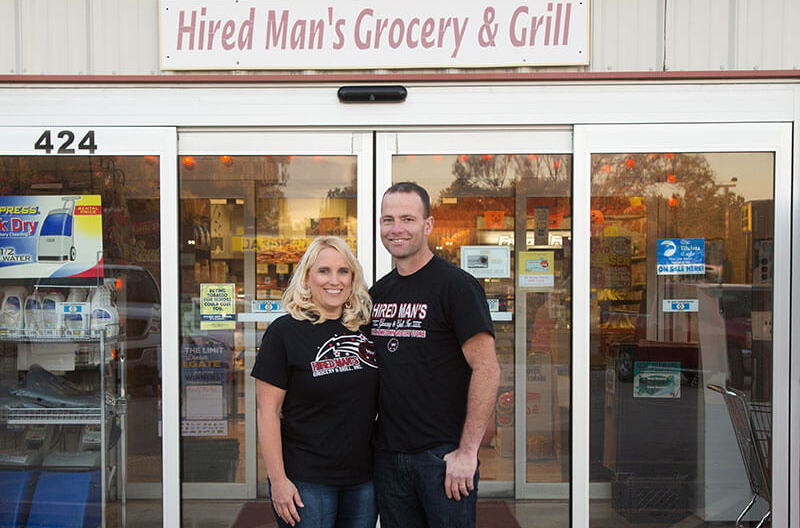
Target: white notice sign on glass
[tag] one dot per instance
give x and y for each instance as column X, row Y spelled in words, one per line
column 487, row 261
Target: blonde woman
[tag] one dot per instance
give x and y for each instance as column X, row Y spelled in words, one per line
column 316, row 387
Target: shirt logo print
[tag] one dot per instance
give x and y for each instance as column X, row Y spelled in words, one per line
column 345, row 353
column 399, row 320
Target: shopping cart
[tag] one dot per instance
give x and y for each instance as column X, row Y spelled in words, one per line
column 752, row 425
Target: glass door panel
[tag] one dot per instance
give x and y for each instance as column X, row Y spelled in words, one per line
column 80, row 326
column 505, row 198
column 683, row 288
column 246, row 220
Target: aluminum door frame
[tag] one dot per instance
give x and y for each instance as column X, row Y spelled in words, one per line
column 716, row 137
column 540, row 140
column 249, row 142
column 135, row 141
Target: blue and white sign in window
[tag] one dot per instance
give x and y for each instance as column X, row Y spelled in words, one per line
column 680, row 305
column 681, row 256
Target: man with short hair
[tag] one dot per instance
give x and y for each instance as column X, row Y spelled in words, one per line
column 438, row 374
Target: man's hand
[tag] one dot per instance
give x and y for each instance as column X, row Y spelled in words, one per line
column 286, row 500
column 461, row 467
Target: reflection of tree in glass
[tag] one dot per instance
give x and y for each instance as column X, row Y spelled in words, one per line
column 274, row 171
column 488, row 183
column 683, row 193
column 500, row 174
column 348, row 191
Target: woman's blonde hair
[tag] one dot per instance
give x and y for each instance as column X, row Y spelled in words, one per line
column 297, row 297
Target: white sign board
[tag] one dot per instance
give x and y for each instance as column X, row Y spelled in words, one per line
column 262, row 34
column 486, row 261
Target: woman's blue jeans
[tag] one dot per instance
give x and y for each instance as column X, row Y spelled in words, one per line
column 329, row 506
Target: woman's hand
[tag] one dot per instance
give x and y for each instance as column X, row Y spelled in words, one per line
column 286, row 499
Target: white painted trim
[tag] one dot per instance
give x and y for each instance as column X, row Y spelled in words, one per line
column 551, row 140
column 428, row 104
column 580, row 405
column 781, row 383
column 794, row 349
column 170, row 325
column 362, row 148
column 702, row 137
column 117, row 141
column 386, row 146
column 248, row 142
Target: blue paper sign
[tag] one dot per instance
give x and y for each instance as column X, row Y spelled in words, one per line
column 681, row 256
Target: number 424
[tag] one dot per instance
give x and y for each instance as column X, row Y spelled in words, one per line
column 67, row 137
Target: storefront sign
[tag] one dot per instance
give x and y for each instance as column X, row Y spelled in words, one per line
column 261, row 34
column 486, row 261
column 681, row 256
column 217, row 306
column 51, row 236
column 535, row 269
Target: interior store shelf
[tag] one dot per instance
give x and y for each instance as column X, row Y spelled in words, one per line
column 27, row 416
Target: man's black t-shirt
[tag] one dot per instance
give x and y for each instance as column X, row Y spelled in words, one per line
column 419, row 323
column 331, row 380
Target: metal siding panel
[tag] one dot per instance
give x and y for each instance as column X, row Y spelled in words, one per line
column 8, row 36
column 121, row 37
column 627, row 35
column 767, row 36
column 698, row 35
column 125, row 37
column 54, row 37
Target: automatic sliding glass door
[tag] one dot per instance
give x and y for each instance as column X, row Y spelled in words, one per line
column 502, row 208
column 688, row 291
column 250, row 203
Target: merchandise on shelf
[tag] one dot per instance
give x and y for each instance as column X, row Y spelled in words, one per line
column 33, row 313
column 12, row 319
column 104, row 315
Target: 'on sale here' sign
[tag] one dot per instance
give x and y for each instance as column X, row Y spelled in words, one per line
column 681, row 256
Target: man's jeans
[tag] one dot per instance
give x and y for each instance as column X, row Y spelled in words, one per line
column 335, row 506
column 410, row 491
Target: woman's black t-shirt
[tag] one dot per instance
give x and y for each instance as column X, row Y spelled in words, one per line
column 330, row 375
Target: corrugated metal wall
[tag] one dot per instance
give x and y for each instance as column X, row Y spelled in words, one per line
column 120, row 37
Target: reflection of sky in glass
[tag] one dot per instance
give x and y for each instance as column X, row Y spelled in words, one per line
column 435, row 171
column 314, row 176
column 753, row 170
column 310, row 179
